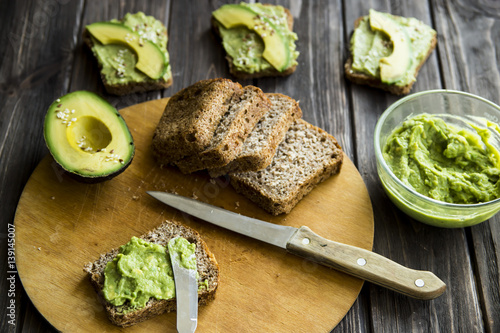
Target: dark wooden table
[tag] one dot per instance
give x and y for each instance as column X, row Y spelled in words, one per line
column 42, row 57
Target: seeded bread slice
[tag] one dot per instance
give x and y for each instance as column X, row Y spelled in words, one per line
column 266, row 73
column 208, row 270
column 228, row 138
column 365, row 79
column 306, row 157
column 261, row 144
column 191, row 117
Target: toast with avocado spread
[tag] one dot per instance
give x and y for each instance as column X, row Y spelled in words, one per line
column 258, row 39
column 131, row 53
column 387, row 51
column 128, row 313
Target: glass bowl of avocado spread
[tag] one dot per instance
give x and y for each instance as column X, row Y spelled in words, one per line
column 438, row 157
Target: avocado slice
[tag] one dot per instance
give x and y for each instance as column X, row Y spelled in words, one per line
column 150, row 59
column 276, row 49
column 395, row 66
column 88, row 137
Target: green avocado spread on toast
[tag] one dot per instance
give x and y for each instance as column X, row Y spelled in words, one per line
column 389, row 47
column 119, row 61
column 257, row 37
column 142, row 270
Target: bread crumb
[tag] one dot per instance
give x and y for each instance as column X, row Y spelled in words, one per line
column 135, row 197
column 194, row 196
column 237, row 203
column 212, row 181
column 53, row 198
column 39, row 249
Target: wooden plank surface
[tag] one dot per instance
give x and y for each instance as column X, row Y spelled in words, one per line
column 42, row 58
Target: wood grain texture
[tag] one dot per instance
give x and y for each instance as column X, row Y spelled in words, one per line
column 396, row 235
column 62, row 224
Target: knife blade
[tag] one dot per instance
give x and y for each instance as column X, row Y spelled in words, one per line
column 303, row 242
column 186, row 293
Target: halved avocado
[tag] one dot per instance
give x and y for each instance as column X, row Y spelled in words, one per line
column 276, row 49
column 150, row 59
column 88, row 137
column 395, row 66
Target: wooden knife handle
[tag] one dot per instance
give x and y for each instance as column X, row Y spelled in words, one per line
column 366, row 265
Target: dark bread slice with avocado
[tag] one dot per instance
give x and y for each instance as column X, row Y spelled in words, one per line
column 208, row 270
column 118, row 45
column 269, row 72
column 359, row 77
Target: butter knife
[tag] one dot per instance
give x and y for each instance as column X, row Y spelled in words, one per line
column 303, row 242
column 186, row 294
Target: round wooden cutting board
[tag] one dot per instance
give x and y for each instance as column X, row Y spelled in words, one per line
column 62, row 224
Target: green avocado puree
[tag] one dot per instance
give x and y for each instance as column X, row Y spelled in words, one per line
column 142, row 270
column 246, row 46
column 118, row 61
column 369, row 46
column 185, row 251
column 444, row 162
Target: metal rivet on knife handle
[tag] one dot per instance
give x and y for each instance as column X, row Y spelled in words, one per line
column 419, row 283
column 361, row 261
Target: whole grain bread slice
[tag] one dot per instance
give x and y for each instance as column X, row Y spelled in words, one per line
column 306, row 157
column 208, row 270
column 233, row 70
column 365, row 79
column 261, row 144
column 191, row 117
column 233, row 129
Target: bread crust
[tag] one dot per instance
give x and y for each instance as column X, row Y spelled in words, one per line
column 261, row 159
column 242, row 75
column 365, row 79
column 130, row 87
column 278, row 204
column 190, row 118
column 206, row 264
column 221, row 153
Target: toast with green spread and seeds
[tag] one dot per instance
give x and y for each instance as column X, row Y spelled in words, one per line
column 387, row 51
column 131, row 53
column 125, row 315
column 258, row 39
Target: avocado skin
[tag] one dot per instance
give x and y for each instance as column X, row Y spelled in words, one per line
column 79, row 174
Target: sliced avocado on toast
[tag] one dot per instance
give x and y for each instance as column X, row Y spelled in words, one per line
column 276, row 50
column 88, row 137
column 393, row 67
column 258, row 39
column 150, row 59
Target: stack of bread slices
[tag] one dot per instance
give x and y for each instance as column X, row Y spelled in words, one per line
column 271, row 155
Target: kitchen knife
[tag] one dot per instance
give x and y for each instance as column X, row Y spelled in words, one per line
column 305, row 243
column 186, row 293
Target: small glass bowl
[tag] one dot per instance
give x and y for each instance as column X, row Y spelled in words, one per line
column 414, row 204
